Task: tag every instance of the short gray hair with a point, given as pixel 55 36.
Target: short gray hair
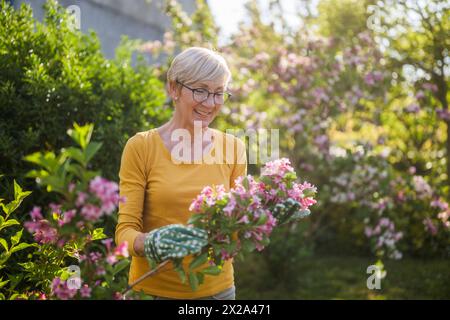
pixel 198 64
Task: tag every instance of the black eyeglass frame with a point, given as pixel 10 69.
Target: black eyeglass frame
pixel 226 95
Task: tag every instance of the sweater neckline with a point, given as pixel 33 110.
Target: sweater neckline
pixel 206 153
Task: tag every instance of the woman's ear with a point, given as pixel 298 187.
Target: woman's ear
pixel 172 90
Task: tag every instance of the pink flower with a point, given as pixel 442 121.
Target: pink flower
pixel 438 203
pixel 413 108
pixel 60 289
pixel 55 207
pixel 420 94
pixel 372 78
pixel 111 259
pixel 278 167
pixel 430 86
pixel 91 212
pixel 71 187
pixel 117 296
pixel 107 192
pixel 122 250
pixel 307 202
pixel 107 243
pixel 67 217
pixel 95 256
pixel 85 291
pixel 443 114
pixel 36 213
pixel 228 210
pixel 81 199
pixel 244 219
pixel 422 187
pixel 196 205
pixel 225 255
pixel 42 231
pixel 100 271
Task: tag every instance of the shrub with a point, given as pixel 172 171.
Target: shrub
pixel 53 76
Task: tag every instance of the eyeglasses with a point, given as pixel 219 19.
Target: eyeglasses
pixel 201 95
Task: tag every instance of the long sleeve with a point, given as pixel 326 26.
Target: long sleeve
pixel 132 186
pixel 240 164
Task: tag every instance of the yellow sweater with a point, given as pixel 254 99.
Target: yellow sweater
pixel 159 192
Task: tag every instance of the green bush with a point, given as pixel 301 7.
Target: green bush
pixel 9 275
pixel 53 76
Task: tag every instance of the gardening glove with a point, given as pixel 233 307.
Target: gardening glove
pixel 173 241
pixel 289 211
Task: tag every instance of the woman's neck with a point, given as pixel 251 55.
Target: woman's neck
pixel 175 124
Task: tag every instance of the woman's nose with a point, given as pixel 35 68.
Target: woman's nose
pixel 209 102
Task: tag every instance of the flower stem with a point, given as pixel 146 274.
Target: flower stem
pixel 145 276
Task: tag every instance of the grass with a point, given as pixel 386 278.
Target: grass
pixel 343 277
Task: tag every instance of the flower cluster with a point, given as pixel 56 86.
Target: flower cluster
pixel 243 218
pixel 103 199
pixel 69 230
pixel 95 265
pixel 385 237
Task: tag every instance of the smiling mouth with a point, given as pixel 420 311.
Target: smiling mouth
pixel 202 114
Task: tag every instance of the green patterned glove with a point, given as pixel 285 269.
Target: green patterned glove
pixel 289 211
pixel 173 241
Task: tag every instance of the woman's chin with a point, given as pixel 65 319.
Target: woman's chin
pixel 204 122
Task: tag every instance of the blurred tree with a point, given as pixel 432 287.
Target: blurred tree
pixel 342 19
pixel 416 38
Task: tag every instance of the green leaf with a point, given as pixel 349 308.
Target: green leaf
pixel 195 218
pixel 16 238
pixel 91 150
pixel 81 134
pixel 193 281
pixel 179 269
pixel 21 246
pixel 98 234
pixel 201 277
pixel 8 223
pixel 212 270
pixel 245 183
pixel 198 261
pixel 4 244
pixel 248 245
pixel 3 283
pixel 121 265
pixel 291 176
pixel 309 192
pixel 19 194
pixel 36 174
pixel 262 219
pixel 27 265
pixel 76 154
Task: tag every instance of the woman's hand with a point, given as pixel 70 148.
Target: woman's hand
pixel 173 241
pixel 139 244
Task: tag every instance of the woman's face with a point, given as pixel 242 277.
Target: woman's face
pixel 189 108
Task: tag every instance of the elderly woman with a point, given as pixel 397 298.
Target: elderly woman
pixel 159 186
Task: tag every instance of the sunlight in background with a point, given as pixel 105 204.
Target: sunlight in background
pixel 228 14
